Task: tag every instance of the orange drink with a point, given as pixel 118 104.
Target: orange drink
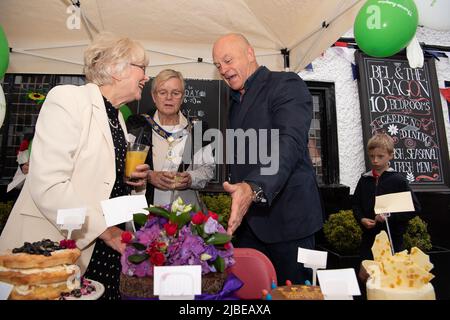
pixel 136 155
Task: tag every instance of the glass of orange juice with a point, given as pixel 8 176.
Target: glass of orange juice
pixel 136 155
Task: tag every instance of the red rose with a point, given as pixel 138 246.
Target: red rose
pixel 162 246
pixel 198 218
pixel 171 228
pixel 157 258
pixel 227 245
pixel 126 236
pixel 213 215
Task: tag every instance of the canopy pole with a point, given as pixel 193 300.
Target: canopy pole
pixel 285 53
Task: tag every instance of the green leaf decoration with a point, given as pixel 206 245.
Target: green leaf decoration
pixel 181 219
pixel 219 264
pixel 137 258
pixel 140 219
pixel 200 231
pixel 159 212
pixel 138 246
pixel 218 238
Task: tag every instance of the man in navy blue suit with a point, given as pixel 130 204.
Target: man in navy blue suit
pixel 274 212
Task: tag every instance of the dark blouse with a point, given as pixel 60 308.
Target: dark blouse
pixel 104 265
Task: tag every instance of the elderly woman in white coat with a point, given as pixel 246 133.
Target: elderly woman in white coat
pixel 78 159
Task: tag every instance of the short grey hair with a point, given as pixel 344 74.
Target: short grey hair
pixel 165 75
pixel 109 54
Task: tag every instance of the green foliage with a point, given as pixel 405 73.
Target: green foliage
pixel 5 209
pixel 220 204
pixel 342 232
pixel 417 235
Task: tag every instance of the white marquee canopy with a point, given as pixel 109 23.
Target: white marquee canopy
pixel 45 38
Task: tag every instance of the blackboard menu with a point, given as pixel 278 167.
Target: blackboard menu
pixel 204 100
pixel 404 102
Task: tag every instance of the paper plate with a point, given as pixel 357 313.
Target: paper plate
pixel 99 290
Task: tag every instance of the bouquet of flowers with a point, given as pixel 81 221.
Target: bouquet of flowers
pixel 175 235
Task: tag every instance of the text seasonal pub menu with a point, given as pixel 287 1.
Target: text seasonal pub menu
pixel 404 102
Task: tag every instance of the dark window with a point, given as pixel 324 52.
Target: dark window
pixel 22 113
pixel 323 146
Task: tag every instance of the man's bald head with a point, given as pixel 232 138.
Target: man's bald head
pixel 235 59
pixel 236 38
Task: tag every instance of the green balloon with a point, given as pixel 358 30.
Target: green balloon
pixel 383 28
pixel 4 53
pixel 126 111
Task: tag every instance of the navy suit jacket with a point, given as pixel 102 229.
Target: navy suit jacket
pixel 279 100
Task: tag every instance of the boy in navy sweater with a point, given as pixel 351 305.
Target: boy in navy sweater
pixel 379 181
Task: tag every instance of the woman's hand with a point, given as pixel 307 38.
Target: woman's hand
pixel 162 180
pixel 24 167
pixel 112 236
pixel 139 177
pixel 182 181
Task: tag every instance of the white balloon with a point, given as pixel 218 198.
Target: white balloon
pixel 434 14
pixel 2 106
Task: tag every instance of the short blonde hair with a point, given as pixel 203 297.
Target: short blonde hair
pixel 165 75
pixel 381 140
pixel 109 54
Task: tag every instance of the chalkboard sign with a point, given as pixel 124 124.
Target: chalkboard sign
pixel 405 103
pixel 204 100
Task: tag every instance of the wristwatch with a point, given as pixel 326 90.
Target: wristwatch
pixel 258 192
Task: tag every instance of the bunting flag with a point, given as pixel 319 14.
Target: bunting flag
pixel 344 44
pixel 348 55
pixel 341 44
pixel 445 93
pixel 309 67
pixel 436 54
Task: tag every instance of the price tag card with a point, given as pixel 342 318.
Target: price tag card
pixel 121 209
pixel 312 258
pixel 71 219
pixel 74 216
pixel 394 202
pixel 177 282
pixel 339 284
pixel 5 290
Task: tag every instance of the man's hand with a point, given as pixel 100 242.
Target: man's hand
pixel 380 218
pixel 241 199
pixel 368 223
